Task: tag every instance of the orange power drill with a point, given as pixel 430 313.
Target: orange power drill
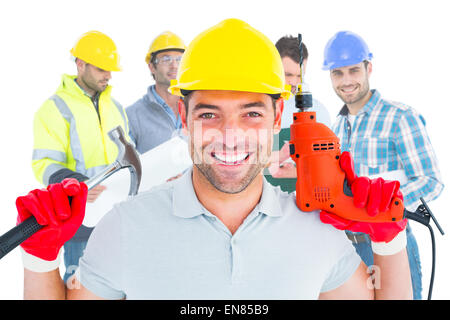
pixel 321 183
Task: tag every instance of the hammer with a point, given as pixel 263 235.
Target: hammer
pixel 127 158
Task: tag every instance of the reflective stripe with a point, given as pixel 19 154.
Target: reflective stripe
pixel 39 154
pixel 75 144
pixel 50 170
pixel 122 112
pixel 54 167
pixel 94 170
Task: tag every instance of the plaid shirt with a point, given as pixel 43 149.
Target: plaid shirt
pixel 388 136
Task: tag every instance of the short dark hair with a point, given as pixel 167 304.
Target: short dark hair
pixel 287 46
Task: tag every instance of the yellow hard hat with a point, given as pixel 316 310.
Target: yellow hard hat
pixel 97 49
pixel 165 41
pixel 231 56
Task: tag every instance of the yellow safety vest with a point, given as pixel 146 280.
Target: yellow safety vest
pixel 69 133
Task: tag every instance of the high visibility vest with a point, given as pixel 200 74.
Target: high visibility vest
pixel 69 133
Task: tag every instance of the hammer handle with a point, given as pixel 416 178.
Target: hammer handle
pixel 18 234
pixel 27 228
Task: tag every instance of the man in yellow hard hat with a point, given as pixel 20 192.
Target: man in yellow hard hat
pixel 154 118
pixel 221 231
pixel 71 127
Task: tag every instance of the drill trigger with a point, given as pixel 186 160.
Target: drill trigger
pixel 347 190
pixel 291 149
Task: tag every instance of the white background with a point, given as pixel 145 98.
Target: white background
pixel 409 40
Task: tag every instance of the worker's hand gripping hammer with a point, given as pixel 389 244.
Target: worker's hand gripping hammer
pixel 127 158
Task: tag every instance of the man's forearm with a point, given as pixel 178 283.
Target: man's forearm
pixel 391 277
pixel 65 173
pixel 427 187
pixel 43 285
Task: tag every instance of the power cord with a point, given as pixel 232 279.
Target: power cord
pixel 423 215
pixel 433 263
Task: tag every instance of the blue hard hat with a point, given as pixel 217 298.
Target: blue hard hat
pixel 345 48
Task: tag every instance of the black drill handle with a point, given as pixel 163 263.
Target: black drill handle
pixel 18 234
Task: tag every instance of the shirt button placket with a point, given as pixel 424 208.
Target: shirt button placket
pixel 235 270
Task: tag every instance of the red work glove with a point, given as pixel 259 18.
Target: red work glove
pixel 376 195
pixel 52 209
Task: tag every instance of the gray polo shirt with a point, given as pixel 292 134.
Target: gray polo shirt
pixel 163 244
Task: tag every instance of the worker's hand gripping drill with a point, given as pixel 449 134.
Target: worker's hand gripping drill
pixel 322 183
pixel 60 209
pixel 376 196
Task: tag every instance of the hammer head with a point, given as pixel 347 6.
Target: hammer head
pixel 127 158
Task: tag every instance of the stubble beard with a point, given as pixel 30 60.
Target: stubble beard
pixel 230 183
pixel 364 89
pixel 94 86
pixel 163 79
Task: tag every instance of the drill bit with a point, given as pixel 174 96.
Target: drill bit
pixel 300 48
pixel 303 100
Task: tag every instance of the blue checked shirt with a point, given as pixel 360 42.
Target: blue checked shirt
pixel 388 136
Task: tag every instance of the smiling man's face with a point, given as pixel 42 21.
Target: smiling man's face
pixel 231 135
pixel 351 83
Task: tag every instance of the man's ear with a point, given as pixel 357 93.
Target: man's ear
pixel 183 115
pixel 80 65
pixel 279 106
pixel 369 69
pixel 152 68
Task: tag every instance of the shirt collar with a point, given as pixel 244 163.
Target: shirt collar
pixel 184 200
pixel 150 96
pixel 156 97
pixel 68 83
pixel 368 107
pixel 269 204
pixel 186 204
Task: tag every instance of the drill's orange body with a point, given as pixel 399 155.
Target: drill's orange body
pixel 320 180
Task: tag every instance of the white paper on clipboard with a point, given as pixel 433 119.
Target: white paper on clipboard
pixel 158 164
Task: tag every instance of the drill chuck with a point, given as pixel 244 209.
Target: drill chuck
pixel 303 100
